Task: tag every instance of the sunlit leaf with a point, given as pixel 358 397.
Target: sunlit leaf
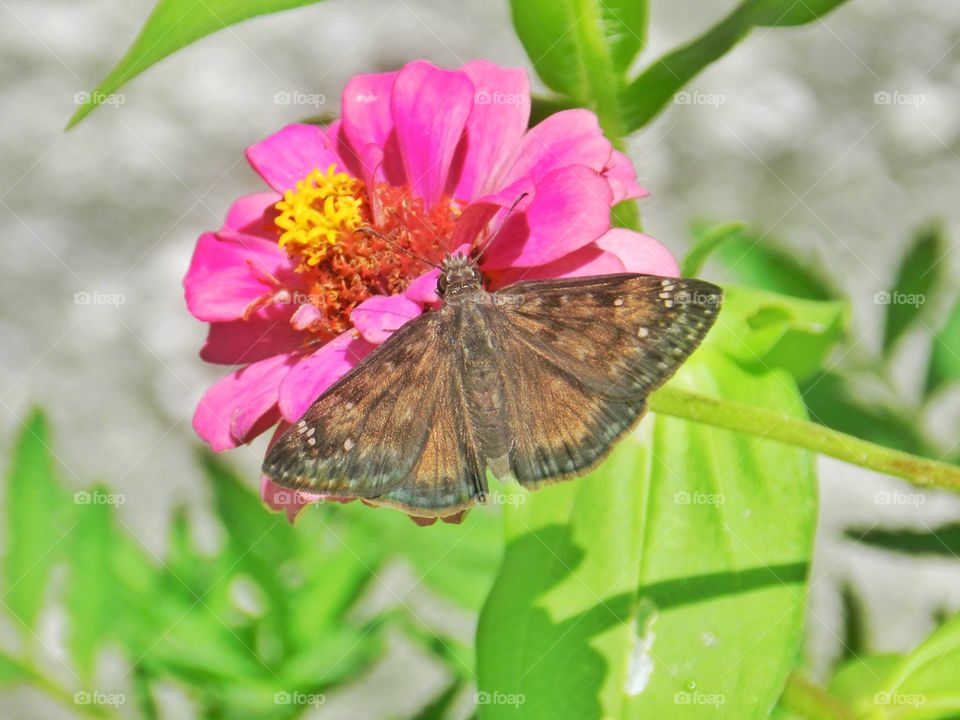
pixel 768 330
pixel 174 24
pixel 37 531
pixel 655 87
pixel 90 601
pixel 706 240
pixel 668 583
pixel 945 354
pixel 920 271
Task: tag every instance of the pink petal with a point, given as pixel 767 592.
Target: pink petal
pixel 254 215
pixel 368 125
pixel 304 316
pixel 277 497
pixel 501 111
pixel 423 290
pixel 266 333
pixel 312 375
pixel 430 107
pixel 622 178
pixel 232 408
pixel 291 154
pixel 570 209
pixel 229 271
pixel 640 253
pixel 589 260
pixel 377 317
pixel 569 137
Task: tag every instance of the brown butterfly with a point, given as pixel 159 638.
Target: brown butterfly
pixel 535 381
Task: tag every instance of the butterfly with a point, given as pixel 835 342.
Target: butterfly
pixel 535 382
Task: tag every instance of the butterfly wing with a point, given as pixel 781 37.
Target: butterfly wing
pixel 580 357
pixel 392 431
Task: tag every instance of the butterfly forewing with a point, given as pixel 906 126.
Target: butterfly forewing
pixel 581 356
pixel 387 429
pixel 537 380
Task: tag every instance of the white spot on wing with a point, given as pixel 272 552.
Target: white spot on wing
pixel 642 332
pixel 348 444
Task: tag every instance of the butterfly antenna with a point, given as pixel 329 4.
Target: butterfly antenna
pixel 495 233
pixel 395 245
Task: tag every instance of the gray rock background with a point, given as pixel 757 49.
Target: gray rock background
pixel 797 146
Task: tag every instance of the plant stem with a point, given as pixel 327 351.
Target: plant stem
pixel 802 433
pixel 802 697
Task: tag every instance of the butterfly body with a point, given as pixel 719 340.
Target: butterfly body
pixel 535 381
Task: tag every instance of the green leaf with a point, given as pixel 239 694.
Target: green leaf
pixel 655 87
pixel 753 260
pixel 11 670
pixel 707 240
pixel 36 532
pixel 945 354
pixel 943 540
pixel 767 330
pixel 89 600
pixel 660 583
pixel 854 624
pixel 860 404
pixel 172 25
pixel 921 685
pixel 920 271
pixel 582 48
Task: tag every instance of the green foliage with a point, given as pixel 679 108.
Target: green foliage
pixel 649 93
pixel 662 580
pixel 35 523
pixel 172 25
pixel 918 276
pixel 921 685
pixel 945 354
pixel 767 330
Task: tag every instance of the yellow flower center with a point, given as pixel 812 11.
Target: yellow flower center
pixel 313 216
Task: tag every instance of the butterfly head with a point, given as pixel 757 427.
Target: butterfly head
pixel 458 275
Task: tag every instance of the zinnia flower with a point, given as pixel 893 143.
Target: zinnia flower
pixel 430 158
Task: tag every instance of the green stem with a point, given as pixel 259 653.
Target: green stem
pixel 802 433
pixel 802 697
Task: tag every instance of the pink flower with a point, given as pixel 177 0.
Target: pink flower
pixel 430 158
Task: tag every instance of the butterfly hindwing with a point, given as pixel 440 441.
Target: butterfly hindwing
pixel 580 357
pixel 387 431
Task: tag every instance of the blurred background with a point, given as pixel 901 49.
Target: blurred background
pixel 838 139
